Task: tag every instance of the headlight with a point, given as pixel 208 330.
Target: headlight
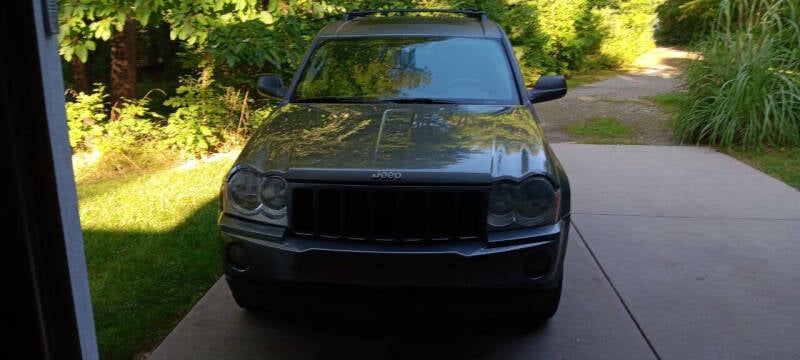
pixel 243 189
pixel 273 195
pixel 257 197
pixel 534 202
pixel 502 200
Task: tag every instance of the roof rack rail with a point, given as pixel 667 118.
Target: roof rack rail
pixel 473 13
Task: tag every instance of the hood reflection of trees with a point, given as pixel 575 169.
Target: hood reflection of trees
pixel 346 135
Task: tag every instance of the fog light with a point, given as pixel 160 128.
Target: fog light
pixel 237 257
pixel 536 265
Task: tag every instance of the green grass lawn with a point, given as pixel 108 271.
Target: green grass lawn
pixel 605 130
pixel 781 163
pixel 152 251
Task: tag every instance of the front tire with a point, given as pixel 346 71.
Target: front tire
pixel 247 296
pixel 542 307
pixel 245 301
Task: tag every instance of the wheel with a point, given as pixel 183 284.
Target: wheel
pixel 245 299
pixel 247 296
pixel 265 297
pixel 543 306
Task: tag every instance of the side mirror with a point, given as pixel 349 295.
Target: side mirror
pixel 271 85
pixel 548 88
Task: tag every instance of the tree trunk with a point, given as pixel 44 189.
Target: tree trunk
pixel 169 54
pixel 123 62
pixel 79 75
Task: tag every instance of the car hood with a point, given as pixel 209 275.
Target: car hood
pixel 426 143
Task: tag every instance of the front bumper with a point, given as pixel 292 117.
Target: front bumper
pixel 272 256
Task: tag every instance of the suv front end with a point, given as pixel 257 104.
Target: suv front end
pixel 348 202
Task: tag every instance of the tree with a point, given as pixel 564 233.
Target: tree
pixel 84 21
pixel 79 75
pixel 685 21
pixel 75 39
pixel 123 62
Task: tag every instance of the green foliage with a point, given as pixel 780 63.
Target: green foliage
pixel 208 116
pixel 131 123
pixel 198 121
pixel 557 22
pixel 243 49
pixel 131 126
pixel 82 22
pixel 682 22
pixel 193 21
pixel 128 140
pixel 628 29
pixel 745 90
pixel 85 116
pixel 562 36
pixel 521 24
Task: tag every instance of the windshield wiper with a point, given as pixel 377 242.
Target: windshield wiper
pixel 418 101
pixel 367 100
pixel 334 99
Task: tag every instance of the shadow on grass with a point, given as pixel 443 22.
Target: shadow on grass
pixel 143 283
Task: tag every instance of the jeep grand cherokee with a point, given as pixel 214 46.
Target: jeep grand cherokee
pixel 403 162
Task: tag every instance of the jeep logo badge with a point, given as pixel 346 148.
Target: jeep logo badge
pixel 387 175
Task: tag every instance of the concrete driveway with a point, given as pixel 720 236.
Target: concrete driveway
pixel 676 253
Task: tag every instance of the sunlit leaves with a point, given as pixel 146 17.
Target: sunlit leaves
pixel 83 21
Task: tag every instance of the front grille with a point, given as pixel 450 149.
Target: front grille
pixel 387 213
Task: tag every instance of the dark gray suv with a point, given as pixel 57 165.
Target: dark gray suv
pixel 404 164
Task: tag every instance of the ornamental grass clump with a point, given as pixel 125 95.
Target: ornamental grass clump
pixel 745 90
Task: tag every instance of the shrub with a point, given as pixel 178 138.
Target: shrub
pixel 130 138
pixel 557 22
pixel 746 88
pixel 628 31
pixel 562 36
pixel 682 22
pixel 521 25
pixel 127 140
pixel 132 124
pixel 197 125
pixel 208 117
pixel 85 116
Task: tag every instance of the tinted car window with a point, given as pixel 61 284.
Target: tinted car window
pixel 463 70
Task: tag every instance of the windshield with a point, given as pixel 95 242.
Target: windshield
pixel 424 70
